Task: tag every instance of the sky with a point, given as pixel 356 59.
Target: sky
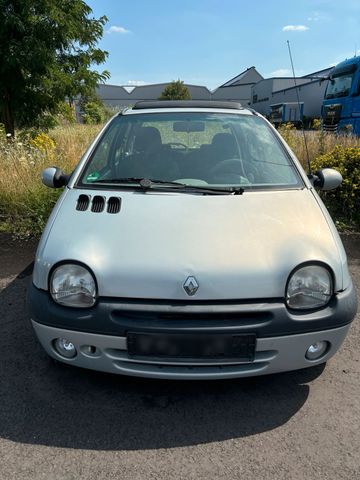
pixel 208 42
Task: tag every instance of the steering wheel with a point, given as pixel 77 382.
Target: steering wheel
pixel 230 165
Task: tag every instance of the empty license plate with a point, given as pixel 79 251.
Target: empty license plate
pixel 192 345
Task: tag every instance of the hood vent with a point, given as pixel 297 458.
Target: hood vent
pixel 98 204
pixel 83 203
pixel 113 205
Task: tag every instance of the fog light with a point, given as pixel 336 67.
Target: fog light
pixel 65 348
pixel 316 350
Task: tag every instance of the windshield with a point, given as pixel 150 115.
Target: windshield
pixel 339 86
pixel 193 149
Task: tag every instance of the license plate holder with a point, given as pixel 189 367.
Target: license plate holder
pixel 192 345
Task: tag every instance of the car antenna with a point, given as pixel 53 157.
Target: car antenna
pixel 300 116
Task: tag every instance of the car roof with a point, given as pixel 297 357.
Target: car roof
pixel 187 105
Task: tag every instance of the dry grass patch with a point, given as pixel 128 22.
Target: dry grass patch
pixel 318 143
pixel 25 203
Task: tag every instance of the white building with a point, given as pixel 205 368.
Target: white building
pixel 311 89
pixel 239 87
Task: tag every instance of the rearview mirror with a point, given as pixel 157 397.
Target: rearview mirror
pixel 54 177
pixel 327 179
pixel 188 126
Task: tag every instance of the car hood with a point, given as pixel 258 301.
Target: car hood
pixel 236 246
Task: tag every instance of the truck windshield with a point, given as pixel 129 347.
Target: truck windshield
pixel 339 86
pixel 198 149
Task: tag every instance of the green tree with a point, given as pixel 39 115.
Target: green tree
pixel 92 113
pixel 176 90
pixel 46 50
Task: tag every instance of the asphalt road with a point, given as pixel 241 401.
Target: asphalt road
pixel 59 422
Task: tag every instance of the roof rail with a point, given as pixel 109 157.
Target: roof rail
pixel 143 104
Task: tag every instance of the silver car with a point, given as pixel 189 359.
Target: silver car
pixel 190 244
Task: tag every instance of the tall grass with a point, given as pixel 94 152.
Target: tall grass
pixel 25 203
pixel 318 142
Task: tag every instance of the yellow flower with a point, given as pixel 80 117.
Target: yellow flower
pixel 43 143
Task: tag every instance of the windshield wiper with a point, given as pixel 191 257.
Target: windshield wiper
pixel 151 184
pixel 140 180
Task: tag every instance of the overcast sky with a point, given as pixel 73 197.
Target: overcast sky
pixel 207 42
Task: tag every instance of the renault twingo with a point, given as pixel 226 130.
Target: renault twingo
pixel 190 244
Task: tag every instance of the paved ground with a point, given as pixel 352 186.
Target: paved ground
pixel 65 423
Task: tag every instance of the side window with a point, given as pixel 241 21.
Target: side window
pixel 101 157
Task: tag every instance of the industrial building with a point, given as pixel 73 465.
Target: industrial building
pixel 278 90
pixel 238 88
pixel 123 96
pixel 249 88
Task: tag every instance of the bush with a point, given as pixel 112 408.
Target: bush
pixel 344 202
pixel 66 114
pixel 316 124
pixel 92 113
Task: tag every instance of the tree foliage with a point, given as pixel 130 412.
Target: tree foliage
pixel 176 90
pixel 46 50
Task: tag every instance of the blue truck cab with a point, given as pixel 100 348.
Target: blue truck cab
pixel 341 105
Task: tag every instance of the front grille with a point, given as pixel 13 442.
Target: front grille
pixel 331 117
pixel 201 317
pixel 186 319
pixel 331 128
pixel 187 368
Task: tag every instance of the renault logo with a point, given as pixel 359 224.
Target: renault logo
pixel 191 286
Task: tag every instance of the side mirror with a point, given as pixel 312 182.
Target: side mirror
pixel 327 179
pixel 54 177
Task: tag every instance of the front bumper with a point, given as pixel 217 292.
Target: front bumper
pixel 109 354
pixel 262 317
pixel 282 336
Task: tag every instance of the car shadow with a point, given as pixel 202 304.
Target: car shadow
pixel 57 405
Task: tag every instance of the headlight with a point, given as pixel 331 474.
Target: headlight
pixel 73 285
pixel 309 287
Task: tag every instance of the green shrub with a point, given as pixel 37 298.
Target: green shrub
pixel 66 114
pixel 344 202
pixel 26 214
pixel 92 113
